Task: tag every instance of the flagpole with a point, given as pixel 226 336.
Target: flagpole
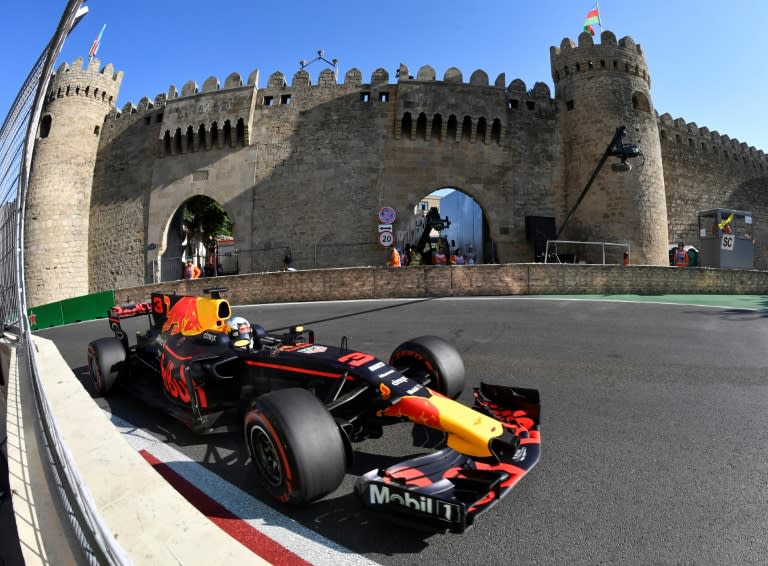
pixel 599 17
pixel 96 44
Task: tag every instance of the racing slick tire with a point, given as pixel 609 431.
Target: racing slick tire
pixel 433 355
pixel 295 445
pixel 106 357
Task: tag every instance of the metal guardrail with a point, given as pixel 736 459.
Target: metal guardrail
pixel 554 256
pixel 17 138
pixel 260 260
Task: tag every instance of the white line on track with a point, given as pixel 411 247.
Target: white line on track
pixel 300 540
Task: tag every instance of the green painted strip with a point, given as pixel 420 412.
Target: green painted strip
pixel 749 302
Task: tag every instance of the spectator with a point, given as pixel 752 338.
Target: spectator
pixel 191 271
pixel 405 257
pixel 458 258
pixel 681 256
pixel 439 257
pixel 394 258
pixel 471 255
pixel 414 257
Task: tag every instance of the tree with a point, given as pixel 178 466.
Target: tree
pixel 204 221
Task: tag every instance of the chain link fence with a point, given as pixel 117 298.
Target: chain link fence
pixel 13 150
pixel 261 260
pixel 17 138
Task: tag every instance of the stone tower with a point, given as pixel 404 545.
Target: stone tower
pixel 598 88
pixel 59 199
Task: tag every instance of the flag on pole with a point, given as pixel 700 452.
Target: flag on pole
pixel 726 221
pixel 593 17
pixel 96 44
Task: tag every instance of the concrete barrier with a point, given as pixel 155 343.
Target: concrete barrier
pixel 149 520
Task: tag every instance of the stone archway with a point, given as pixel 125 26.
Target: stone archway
pixel 183 238
pixel 465 224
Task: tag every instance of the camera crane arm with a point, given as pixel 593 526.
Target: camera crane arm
pixel 616 148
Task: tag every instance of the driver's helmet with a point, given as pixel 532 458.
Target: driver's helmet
pixel 239 330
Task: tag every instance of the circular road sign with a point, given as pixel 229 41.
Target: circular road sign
pixel 386 239
pixel 387 215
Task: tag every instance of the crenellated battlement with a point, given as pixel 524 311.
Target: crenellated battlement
pixel 78 79
pixel 700 140
pixel 131 111
pixel 623 56
pixel 352 79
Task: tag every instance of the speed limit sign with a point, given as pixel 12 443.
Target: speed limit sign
pixel 386 239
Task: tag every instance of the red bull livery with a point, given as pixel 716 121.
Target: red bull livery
pixel 303 405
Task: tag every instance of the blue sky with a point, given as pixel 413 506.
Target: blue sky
pixel 707 60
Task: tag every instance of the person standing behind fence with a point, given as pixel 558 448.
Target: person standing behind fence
pixel 191 271
pixel 458 258
pixel 394 258
pixel 471 255
pixel 681 256
pixel 414 257
pixel 439 257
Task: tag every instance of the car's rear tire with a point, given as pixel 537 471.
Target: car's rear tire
pixel 106 358
pixel 435 356
pixel 295 445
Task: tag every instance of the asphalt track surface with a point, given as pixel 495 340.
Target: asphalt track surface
pixel 654 420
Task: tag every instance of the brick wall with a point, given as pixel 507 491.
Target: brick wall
pixel 477 280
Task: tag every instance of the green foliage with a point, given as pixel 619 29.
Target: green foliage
pixel 205 220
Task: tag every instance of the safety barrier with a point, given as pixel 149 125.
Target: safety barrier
pixel 77 309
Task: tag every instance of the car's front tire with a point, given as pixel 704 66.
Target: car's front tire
pixel 295 445
pixel 106 357
pixel 435 357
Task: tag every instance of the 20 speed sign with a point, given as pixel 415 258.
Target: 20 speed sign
pixel 386 239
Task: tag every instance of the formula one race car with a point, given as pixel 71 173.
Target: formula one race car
pixel 303 404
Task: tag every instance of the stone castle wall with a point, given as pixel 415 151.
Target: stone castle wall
pixel 704 170
pixel 306 166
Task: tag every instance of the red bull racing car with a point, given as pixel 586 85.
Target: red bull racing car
pixel 303 405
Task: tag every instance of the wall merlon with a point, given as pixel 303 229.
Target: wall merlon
pixel 277 80
pixel 211 84
pixel 234 80
pixel 353 78
pixel 189 88
pixel 541 90
pixel 479 78
pixel 517 87
pixel 426 73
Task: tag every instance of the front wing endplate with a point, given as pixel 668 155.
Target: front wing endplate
pixel 446 490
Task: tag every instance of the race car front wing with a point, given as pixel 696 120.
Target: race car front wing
pixel 446 490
